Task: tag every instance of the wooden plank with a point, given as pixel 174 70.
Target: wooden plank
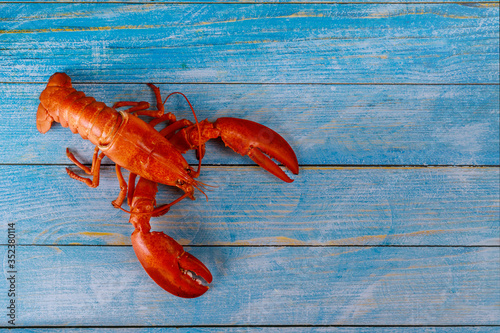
pixel 166 2
pixel 325 124
pixel 294 43
pixel 105 286
pixel 323 206
pixel 270 329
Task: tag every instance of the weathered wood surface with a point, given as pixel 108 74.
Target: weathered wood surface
pixel 270 329
pixel 393 109
pixel 78 286
pixel 324 206
pixel 239 2
pixel 288 43
pixel 326 124
pixel 267 329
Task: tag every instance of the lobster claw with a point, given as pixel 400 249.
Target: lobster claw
pixel 255 140
pixel 175 270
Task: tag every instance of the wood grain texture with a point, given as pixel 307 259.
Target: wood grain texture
pixel 325 124
pixel 351 43
pixel 79 286
pixel 324 206
pixel 266 329
pixel 169 2
pixel 368 238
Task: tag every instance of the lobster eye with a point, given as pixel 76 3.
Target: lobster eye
pixel 179 182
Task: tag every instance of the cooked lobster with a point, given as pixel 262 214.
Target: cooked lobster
pixel 156 156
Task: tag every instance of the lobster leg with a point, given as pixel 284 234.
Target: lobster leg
pixel 134 106
pixel 117 203
pixel 141 108
pixel 94 170
pixel 165 260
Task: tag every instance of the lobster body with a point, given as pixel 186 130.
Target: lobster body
pixel 124 138
pixel 145 152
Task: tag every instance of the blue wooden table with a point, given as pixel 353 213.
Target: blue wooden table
pixel 392 107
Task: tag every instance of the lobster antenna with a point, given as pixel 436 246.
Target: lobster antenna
pixel 199 131
pixel 198 184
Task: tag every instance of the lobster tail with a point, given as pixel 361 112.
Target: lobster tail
pixel 60 102
pixel 43 119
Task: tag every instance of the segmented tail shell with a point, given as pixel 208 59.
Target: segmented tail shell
pixel 62 103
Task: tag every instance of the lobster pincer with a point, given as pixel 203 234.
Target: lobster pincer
pixel 244 137
pixel 165 261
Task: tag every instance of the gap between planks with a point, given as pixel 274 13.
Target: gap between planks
pixel 249 326
pixel 268 83
pixel 249 2
pixel 301 166
pixel 269 246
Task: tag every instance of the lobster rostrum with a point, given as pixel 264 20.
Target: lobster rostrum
pixel 156 156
